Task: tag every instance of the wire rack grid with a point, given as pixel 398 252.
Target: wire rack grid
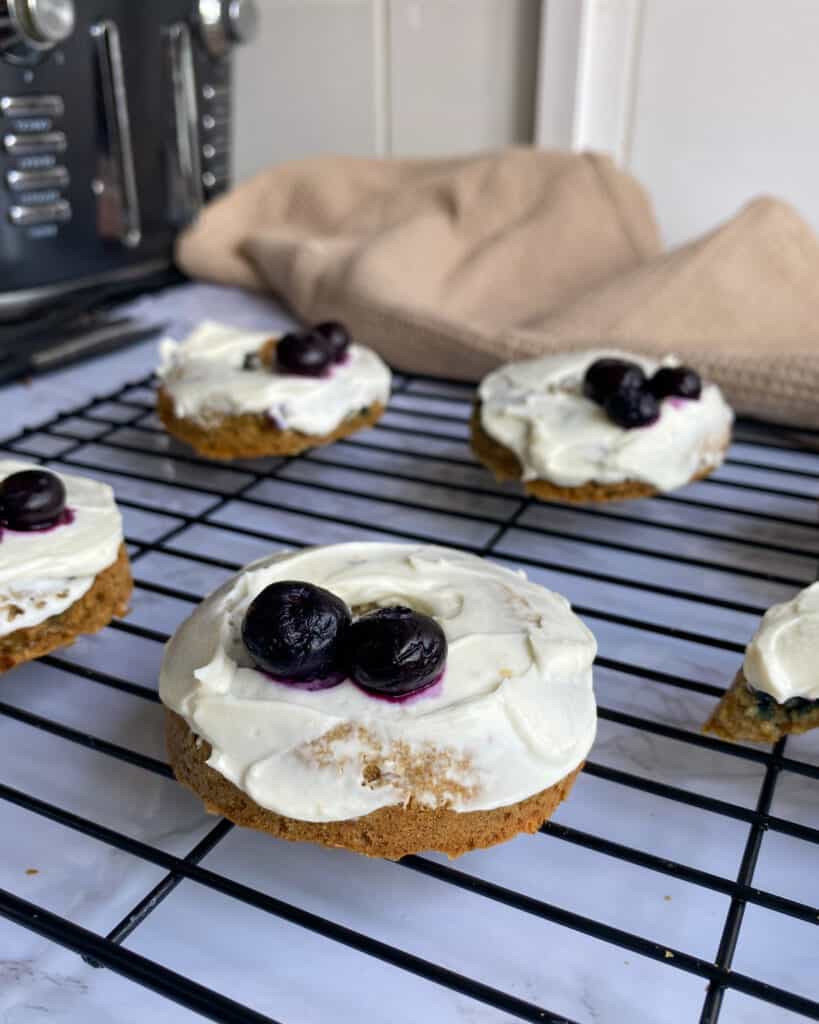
pixel 680 861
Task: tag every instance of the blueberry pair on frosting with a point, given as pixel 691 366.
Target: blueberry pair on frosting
pixel 631 399
pixel 307 353
pixel 313 351
pixel 304 635
pixel 486 754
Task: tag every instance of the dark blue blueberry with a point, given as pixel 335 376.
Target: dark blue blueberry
pixel 295 631
pixel 308 354
pixel 337 335
pixel 395 651
pixel 33 499
pixel 252 361
pixel 631 409
pixel 675 381
pixel 765 703
pixel 606 377
pixel 800 705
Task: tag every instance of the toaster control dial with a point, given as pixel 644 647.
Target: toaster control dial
pixel 28 27
pixel 222 23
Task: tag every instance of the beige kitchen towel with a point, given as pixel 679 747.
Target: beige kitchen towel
pixel 451 267
pixel 741 304
pixel 430 262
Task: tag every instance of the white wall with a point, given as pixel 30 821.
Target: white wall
pixel 708 102
pixel 404 77
pixel 726 107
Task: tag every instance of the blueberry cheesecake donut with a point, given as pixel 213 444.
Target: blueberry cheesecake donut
pixel 236 394
pixel 776 691
pixel 383 698
pixel 599 426
pixel 64 569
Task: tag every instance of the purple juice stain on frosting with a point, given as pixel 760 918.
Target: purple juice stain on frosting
pixel 307 685
pixel 434 688
pixel 66 518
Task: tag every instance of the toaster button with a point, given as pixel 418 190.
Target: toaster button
pixel 32 106
pixel 42 142
pixel 212 92
pixel 42 213
pixel 25 181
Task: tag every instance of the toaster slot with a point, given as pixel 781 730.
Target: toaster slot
pixel 118 214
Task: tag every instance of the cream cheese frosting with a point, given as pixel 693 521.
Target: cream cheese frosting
pixel 43 572
pixel 513 714
pixel 783 657
pixel 204 377
pixel 536 408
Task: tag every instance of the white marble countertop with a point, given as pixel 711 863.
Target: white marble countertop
pixel 298 977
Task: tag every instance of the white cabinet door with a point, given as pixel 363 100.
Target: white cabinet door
pixel 306 84
pixel 462 74
pixel 403 77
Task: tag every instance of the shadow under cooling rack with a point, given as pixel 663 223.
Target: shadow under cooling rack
pixel 680 862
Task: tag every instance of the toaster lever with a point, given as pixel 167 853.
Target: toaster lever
pixel 185 167
pixel 118 213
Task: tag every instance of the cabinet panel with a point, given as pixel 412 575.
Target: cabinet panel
pixel 462 74
pixel 306 84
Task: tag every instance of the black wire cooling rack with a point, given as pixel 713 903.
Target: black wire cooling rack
pixel 672 587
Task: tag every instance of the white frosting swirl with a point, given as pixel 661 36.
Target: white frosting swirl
pixel 514 713
pixel 204 377
pixel 537 409
pixel 783 657
pixel 43 572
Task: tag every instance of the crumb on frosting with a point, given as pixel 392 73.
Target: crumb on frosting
pixel 12 611
pixel 426 774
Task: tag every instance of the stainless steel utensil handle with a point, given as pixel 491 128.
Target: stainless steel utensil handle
pixel 115 185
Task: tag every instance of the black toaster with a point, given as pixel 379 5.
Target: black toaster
pixel 115 128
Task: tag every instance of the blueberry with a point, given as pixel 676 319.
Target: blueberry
pixel 252 361
pixel 678 381
pixel 337 335
pixel 607 377
pixel 765 703
pixel 305 354
pixel 31 500
pixel 632 409
pixel 800 705
pixel 295 631
pixel 395 651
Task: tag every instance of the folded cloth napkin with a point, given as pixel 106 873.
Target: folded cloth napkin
pixel 451 267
